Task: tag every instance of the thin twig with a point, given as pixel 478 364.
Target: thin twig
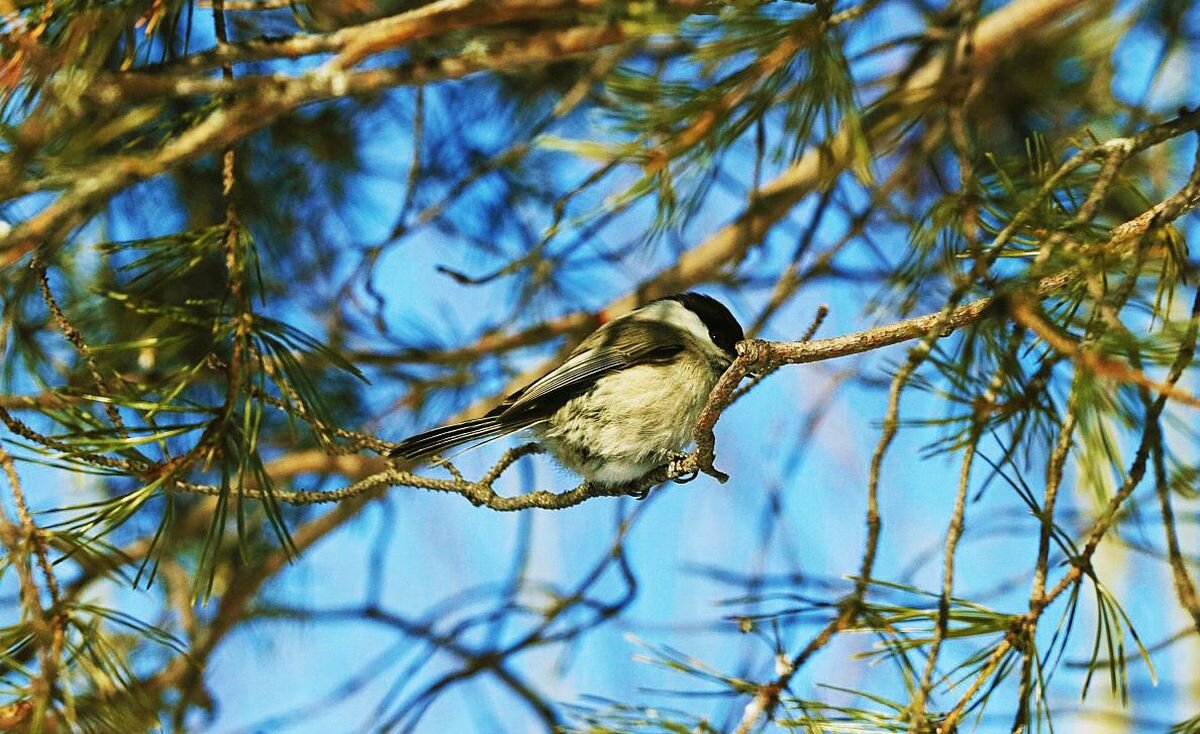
pixel 72 335
pixel 955 529
pixel 48 626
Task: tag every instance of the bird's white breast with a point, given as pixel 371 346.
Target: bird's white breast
pixel 632 421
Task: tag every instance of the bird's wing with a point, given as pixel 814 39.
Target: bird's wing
pixel 620 345
pixel 439 439
pixel 623 343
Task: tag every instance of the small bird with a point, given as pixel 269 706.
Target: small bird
pixel 624 402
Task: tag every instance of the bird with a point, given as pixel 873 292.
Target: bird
pixel 624 401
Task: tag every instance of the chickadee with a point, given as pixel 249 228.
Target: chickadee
pixel 624 402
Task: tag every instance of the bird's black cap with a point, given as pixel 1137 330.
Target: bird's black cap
pixel 723 328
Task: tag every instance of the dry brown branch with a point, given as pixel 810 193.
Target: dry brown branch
pixel 538 48
pixel 88 188
pixel 1185 587
pixel 353 43
pixel 36 402
pixel 1026 314
pixel 72 335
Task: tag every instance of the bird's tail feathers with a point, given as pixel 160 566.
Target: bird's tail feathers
pixel 439 439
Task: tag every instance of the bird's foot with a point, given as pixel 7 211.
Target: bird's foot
pixel 639 494
pixel 677 469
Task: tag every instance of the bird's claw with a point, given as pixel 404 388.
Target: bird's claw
pixel 676 469
pixel 639 494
